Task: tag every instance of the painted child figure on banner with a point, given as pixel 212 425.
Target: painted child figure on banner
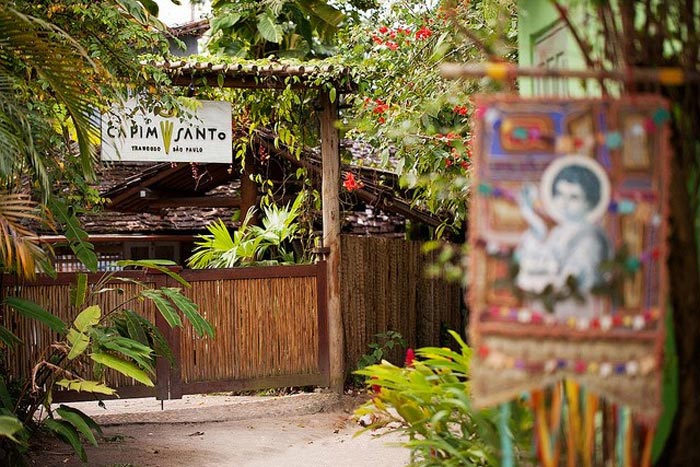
pixel 575 193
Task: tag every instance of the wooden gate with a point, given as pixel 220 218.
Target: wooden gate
pixel 271 330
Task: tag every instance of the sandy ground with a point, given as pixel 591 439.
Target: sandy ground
pixel 250 431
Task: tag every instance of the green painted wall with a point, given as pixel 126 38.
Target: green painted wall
pixel 537 18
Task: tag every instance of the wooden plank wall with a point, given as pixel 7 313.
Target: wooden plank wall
pixel 384 287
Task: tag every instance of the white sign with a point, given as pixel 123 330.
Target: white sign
pixel 203 137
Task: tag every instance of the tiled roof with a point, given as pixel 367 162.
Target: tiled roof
pixel 120 179
pixel 192 28
pixel 181 198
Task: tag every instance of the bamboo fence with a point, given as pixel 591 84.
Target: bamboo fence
pixel 264 327
pixel 271 323
pixel 384 288
pixel 37 339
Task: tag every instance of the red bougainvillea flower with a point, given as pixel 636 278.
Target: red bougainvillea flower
pixel 461 110
pixel 377 40
pixel 423 33
pixel 383 30
pixel 391 45
pixel 410 357
pixel 375 387
pixel 380 106
pixel 350 183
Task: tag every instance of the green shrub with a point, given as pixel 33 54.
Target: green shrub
pixel 117 338
pixel 384 344
pixel 429 398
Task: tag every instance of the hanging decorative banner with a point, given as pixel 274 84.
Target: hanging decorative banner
pixel 129 135
pixel 567 231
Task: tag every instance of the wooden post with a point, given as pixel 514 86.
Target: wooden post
pixel 330 187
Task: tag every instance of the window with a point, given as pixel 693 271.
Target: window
pixel 550 51
pixel 152 250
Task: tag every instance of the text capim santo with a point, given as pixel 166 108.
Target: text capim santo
pixel 205 137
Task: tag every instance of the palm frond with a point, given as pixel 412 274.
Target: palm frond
pixel 16 136
pixel 19 250
pixel 54 57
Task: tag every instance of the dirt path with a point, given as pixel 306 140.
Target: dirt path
pixel 290 431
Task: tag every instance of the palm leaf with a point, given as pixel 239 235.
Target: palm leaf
pixel 76 236
pixel 160 265
pixel 134 328
pixel 86 386
pixel 158 341
pixel 124 367
pixel 79 421
pixel 9 425
pixel 79 342
pixel 8 338
pixel 19 250
pixel 34 311
pixel 54 57
pixel 67 433
pixel 189 309
pixel 164 306
pixel 78 292
pixel 140 353
pixel 16 135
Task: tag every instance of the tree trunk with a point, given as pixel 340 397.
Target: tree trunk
pixel 683 445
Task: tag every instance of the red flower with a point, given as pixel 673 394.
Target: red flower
pixel 383 30
pixel 423 33
pixel 375 387
pixel 410 357
pixel 381 107
pixel 377 40
pixel 649 125
pixel 350 183
pixel 483 352
pixel 391 45
pixel 461 110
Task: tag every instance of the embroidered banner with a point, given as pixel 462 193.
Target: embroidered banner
pixel 567 233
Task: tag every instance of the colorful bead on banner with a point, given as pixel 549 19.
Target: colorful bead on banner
pixel 613 140
pixel 660 116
